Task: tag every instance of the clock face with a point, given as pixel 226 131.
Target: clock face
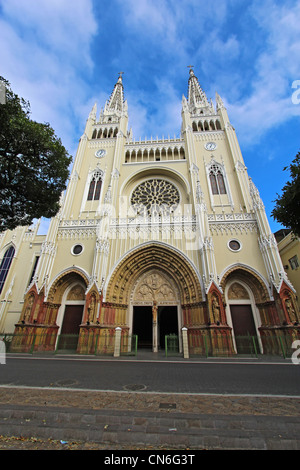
pixel 211 146
pixel 100 153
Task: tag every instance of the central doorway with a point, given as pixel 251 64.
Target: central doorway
pixel 142 326
pixel 167 322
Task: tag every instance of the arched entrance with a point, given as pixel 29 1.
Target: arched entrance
pixel 68 290
pixel 158 285
pixel 244 291
pixel 154 309
pixel 242 317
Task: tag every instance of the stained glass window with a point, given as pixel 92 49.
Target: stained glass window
pixel 155 197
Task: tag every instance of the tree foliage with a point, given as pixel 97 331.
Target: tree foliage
pixel 287 206
pixel 34 165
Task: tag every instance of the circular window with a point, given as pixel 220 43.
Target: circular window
pixel 234 245
pixel 156 197
pixel 77 249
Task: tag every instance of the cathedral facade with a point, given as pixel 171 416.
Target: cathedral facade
pixel 152 237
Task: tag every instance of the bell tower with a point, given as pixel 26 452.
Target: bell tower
pixel 98 157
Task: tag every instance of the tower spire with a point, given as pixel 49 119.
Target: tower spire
pixel 197 99
pixel 115 103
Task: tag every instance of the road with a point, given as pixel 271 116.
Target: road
pixel 207 377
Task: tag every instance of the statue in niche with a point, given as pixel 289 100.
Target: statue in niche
pixel 28 309
pixel 215 310
pixel 154 312
pixel 290 310
pixel 92 310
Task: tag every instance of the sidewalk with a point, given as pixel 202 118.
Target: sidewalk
pixel 132 420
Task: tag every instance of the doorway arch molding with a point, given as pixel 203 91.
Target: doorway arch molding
pixel 63 280
pixel 154 256
pixel 251 278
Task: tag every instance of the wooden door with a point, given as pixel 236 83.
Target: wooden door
pixel 72 319
pixel 69 334
pixel 244 329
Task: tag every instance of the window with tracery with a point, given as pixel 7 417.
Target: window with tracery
pixel 5 265
pixel 95 187
pixel 216 178
pixel 155 197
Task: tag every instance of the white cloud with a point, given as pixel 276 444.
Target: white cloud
pixel 270 102
pixel 45 47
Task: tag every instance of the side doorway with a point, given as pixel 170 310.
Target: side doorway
pixel 69 334
pixel 244 329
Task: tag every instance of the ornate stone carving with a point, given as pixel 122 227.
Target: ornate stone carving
pixel 76 293
pixel 156 197
pixel 154 287
pixel 237 291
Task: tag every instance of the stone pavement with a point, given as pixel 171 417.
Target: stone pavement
pixel 143 420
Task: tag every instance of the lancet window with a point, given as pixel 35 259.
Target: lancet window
pixel 5 265
pixel 216 178
pixel 95 186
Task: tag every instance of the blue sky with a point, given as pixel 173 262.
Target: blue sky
pixel 65 55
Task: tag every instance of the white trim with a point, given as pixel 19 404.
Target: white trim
pixel 212 196
pixel 86 189
pixel 65 271
pixel 234 240
pixel 142 175
pixel 77 254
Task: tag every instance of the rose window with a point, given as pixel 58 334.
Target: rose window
pixel 155 197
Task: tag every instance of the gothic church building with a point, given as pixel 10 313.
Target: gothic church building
pixel 152 237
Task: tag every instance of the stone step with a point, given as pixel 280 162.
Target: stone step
pixel 141 428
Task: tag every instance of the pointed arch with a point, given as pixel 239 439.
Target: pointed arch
pixel 249 276
pixel 153 256
pixel 64 280
pixel 216 178
pixel 95 185
pixel 6 264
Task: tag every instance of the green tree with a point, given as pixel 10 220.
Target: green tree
pixel 34 165
pixel 287 206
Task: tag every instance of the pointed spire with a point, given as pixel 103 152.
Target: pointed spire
pixel 219 101
pixel 116 100
pixel 93 113
pixel 196 96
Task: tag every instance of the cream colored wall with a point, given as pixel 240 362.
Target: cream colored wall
pixel 249 254
pixel 287 249
pixel 28 246
pixel 89 164
pixel 64 258
pixel 223 156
